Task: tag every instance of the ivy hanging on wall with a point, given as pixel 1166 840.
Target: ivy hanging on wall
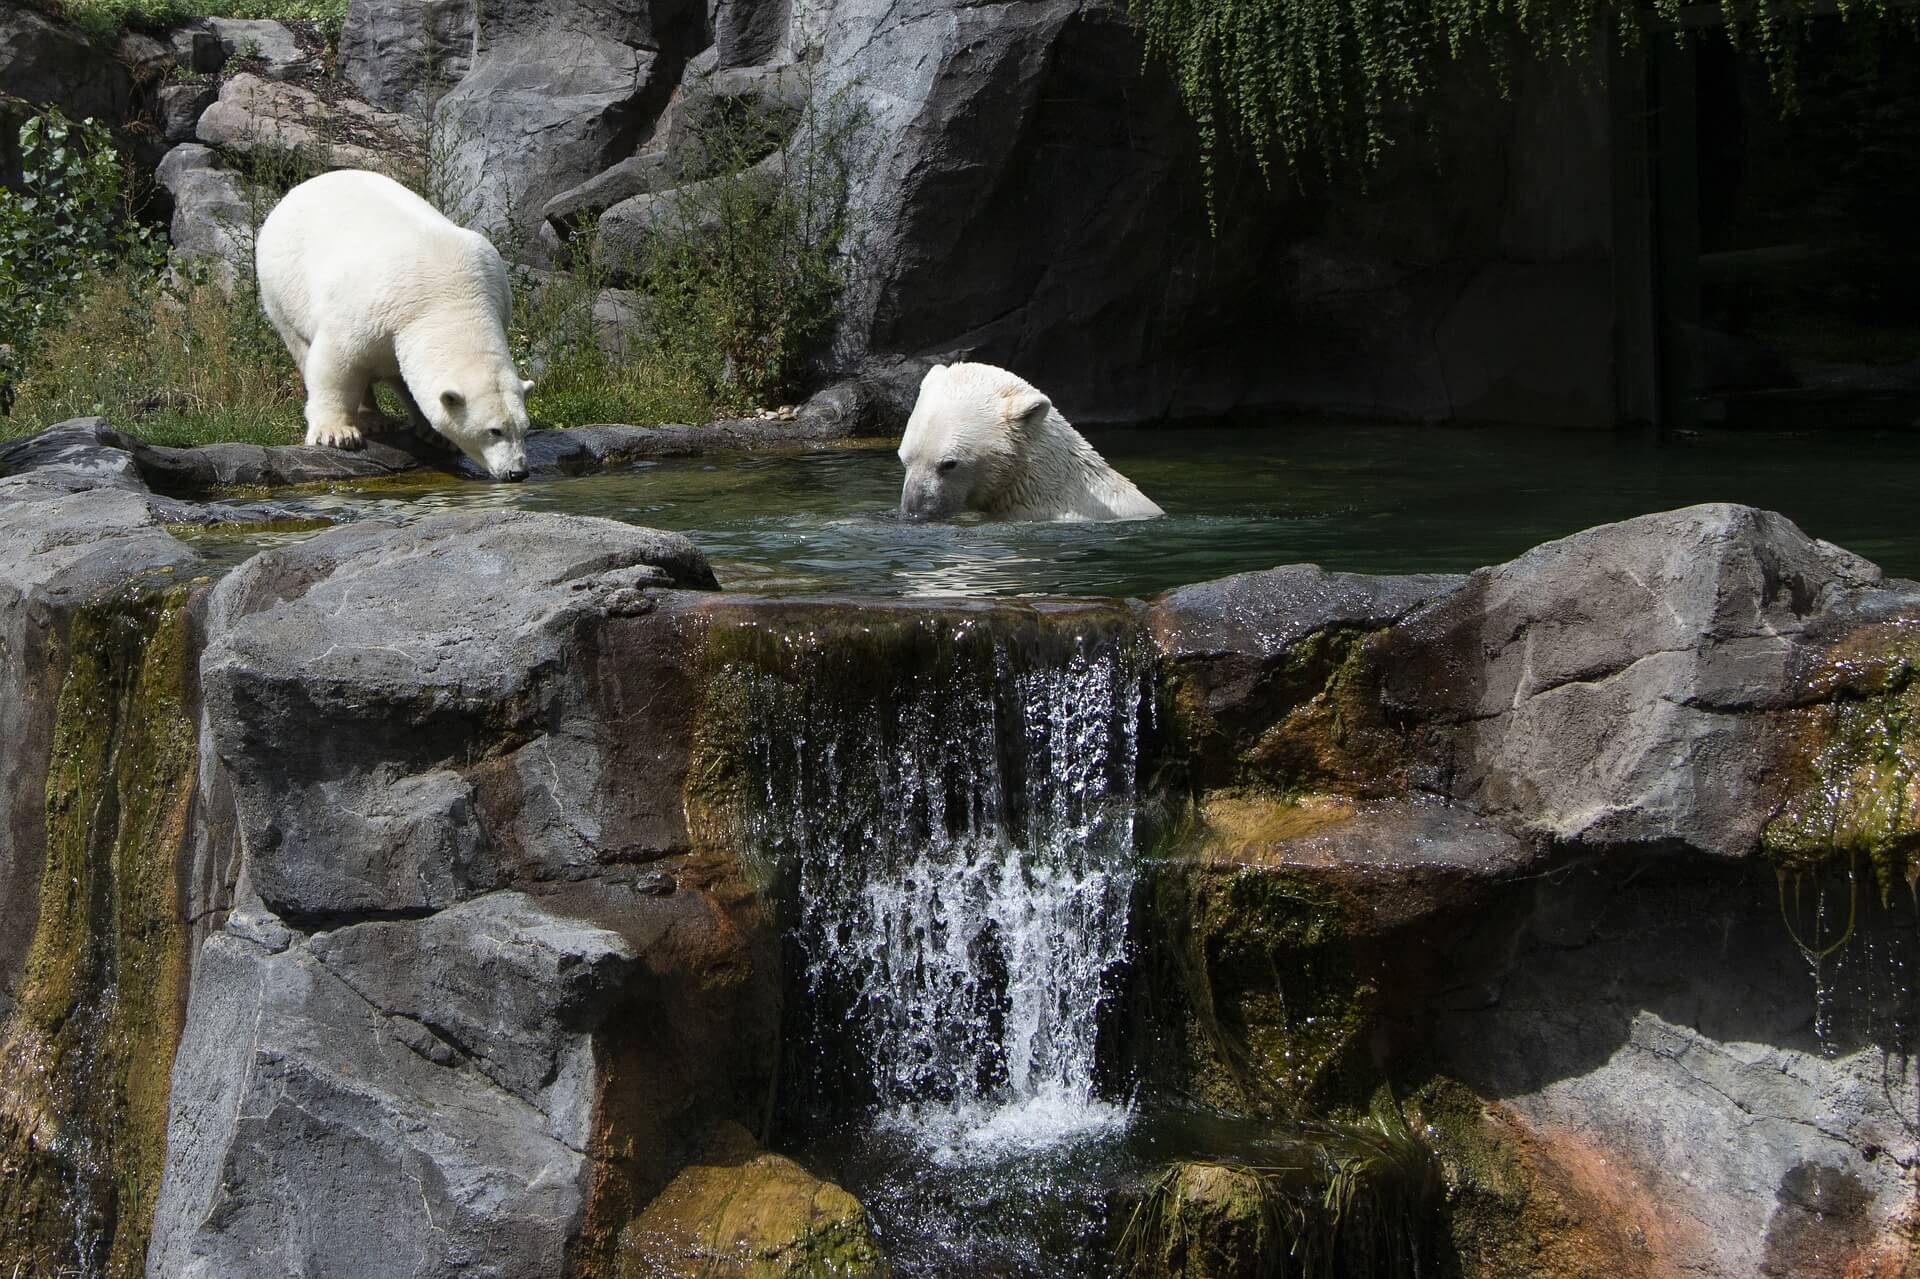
pixel 1321 81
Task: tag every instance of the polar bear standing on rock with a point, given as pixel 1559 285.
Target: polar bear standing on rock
pixel 983 439
pixel 367 283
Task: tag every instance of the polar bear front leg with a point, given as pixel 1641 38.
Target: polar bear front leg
pixel 335 387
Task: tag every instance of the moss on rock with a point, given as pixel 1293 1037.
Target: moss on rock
pixel 741 1211
pixel 1309 721
pixel 1520 1209
pixel 86 1054
pixel 1258 984
pixel 1853 761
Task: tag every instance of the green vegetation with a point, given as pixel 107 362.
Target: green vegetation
pixel 741 282
pixel 1333 80
pixel 170 358
pixel 581 376
pixel 1336 1200
pixel 1265 1004
pixel 57 233
pixel 747 268
pixel 105 17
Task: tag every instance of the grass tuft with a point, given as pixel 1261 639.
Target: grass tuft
pixel 1341 1202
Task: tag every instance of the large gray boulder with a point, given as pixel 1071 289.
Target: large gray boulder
pixel 556 94
pixel 309 1136
pixel 266 119
pixel 208 45
pixel 401 55
pixel 1621 687
pixel 457 903
pixel 177 109
pixel 215 210
pixel 400 698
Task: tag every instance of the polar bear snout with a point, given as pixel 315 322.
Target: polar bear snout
pixel 505 458
pixel 925 496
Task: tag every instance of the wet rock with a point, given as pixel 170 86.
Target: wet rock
pixel 97 606
pixel 1662 1098
pixel 1218 1224
pixel 1259 663
pixel 739 1210
pixel 876 402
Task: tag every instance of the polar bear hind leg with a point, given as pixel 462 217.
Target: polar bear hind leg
pixel 335 389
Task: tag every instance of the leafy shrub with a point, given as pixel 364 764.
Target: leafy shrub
pixel 60 230
pixel 580 374
pixel 105 17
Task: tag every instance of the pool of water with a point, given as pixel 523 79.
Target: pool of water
pixel 1374 499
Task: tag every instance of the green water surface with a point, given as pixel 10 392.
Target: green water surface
pixel 1372 499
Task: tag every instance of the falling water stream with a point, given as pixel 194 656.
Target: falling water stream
pixel 953 827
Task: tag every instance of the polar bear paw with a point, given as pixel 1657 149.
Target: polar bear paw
pixel 341 435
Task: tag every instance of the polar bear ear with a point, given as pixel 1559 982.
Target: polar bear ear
pixel 1024 406
pixel 526 388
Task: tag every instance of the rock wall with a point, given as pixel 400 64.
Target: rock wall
pixel 1027 190
pixel 1030 195
pixel 422 845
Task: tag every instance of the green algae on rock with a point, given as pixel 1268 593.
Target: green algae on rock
pixel 1259 988
pixel 89 1045
pixel 741 1211
pixel 1852 761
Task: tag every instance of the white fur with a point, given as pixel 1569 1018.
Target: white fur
pixel 366 283
pixel 1006 451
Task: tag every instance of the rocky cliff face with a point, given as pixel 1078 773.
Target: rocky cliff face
pixel 417 854
pixel 1027 189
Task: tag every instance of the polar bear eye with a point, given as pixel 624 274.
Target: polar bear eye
pixel 497 433
pixel 948 465
pixel 452 399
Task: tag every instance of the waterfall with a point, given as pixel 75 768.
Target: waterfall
pixel 951 816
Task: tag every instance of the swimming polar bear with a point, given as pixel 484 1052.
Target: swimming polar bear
pixel 366 282
pixel 982 439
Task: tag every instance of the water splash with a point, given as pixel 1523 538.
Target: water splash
pixel 954 824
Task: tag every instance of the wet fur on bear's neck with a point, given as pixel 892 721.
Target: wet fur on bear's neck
pixel 1058 475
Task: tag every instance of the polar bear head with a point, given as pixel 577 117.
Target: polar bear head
pixel 483 410
pixel 965 443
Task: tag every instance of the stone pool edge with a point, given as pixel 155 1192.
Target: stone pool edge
pixel 1373 761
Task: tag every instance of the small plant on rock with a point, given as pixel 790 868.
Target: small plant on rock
pixel 747 267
